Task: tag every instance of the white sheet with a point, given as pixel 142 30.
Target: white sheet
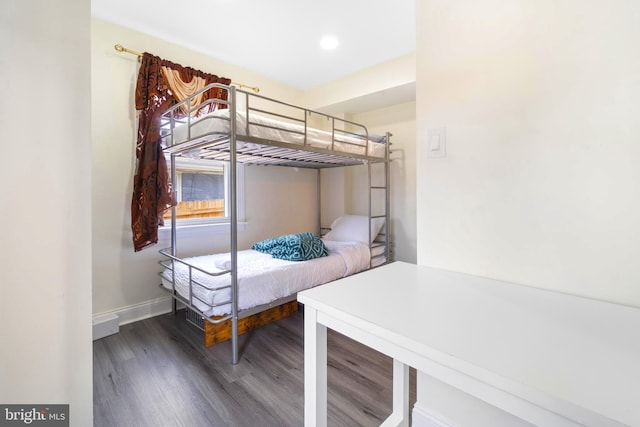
pixel 262 278
pixel 216 123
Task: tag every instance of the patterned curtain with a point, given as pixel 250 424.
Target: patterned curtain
pixel 152 190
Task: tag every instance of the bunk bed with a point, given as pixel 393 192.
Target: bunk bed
pixel 228 294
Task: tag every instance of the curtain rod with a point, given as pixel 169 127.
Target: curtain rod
pixel 121 48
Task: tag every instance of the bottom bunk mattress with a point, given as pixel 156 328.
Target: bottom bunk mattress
pixel 261 278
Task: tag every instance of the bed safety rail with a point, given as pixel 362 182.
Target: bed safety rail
pixel 169 265
pixel 267 122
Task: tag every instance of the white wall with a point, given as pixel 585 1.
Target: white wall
pixel 334 195
pixel 540 102
pixel 45 321
pixel 122 279
pixel 386 79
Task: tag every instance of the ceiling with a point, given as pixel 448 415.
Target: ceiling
pixel 279 39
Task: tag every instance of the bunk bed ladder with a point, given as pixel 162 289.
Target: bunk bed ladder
pixel 387 202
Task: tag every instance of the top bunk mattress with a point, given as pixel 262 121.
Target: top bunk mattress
pixel 266 127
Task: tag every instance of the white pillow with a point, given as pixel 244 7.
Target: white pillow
pixel 349 228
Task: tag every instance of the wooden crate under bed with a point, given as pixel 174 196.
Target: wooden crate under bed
pixel 219 332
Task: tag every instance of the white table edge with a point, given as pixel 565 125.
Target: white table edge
pixel 522 401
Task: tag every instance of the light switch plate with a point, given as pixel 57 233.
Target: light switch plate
pixel 436 143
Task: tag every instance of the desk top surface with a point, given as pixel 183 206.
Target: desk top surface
pixel 572 349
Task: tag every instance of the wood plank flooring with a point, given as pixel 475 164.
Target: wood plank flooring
pixel 157 372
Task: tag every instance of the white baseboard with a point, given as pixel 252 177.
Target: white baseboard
pixel 108 323
pixel 145 310
pixel 105 325
pixel 422 417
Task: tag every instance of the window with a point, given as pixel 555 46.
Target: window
pixel 201 188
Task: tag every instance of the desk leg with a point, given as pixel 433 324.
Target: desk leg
pixel 401 391
pixel 315 370
pixel 400 415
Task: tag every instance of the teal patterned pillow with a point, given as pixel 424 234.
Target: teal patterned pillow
pixel 293 247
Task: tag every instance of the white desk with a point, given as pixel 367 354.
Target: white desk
pixel 548 358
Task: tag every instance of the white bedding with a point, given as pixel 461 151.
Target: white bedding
pixel 217 122
pixel 262 278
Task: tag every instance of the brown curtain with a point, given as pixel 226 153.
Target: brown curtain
pixel 152 190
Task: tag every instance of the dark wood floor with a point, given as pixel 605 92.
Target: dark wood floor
pixel 158 373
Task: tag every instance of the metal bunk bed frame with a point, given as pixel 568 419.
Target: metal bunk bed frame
pixel 224 148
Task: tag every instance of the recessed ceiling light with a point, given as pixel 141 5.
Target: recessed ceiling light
pixel 329 42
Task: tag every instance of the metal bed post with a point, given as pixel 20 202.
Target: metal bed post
pixel 370 213
pixel 234 226
pixel 174 249
pixel 319 190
